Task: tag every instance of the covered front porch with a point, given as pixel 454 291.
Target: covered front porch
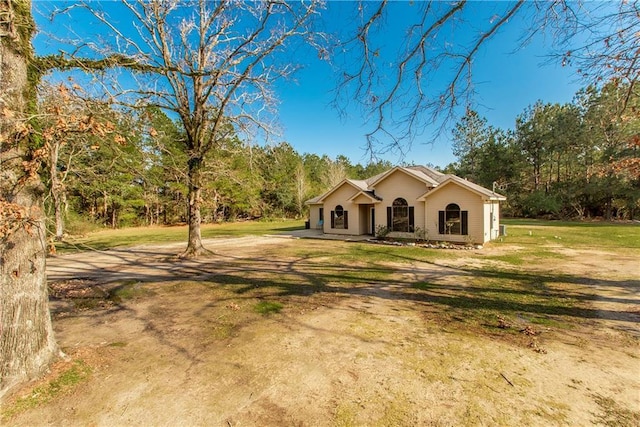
pixel 366 202
pixel 367 219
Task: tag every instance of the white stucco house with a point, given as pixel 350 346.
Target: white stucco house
pixel 409 201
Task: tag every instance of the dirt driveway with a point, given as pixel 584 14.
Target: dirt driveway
pixel 184 345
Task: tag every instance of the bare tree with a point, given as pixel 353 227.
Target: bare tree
pixel 301 187
pixel 334 173
pixel 211 63
pixel 601 42
pixel 405 90
pixel 27 343
pixel 401 92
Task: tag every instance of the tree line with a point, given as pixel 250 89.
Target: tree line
pixel 118 167
pixel 576 160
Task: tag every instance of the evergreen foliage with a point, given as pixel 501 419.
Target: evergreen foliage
pixel 561 161
pixel 135 172
pixel 576 160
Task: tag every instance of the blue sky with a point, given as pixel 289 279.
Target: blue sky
pixel 507 80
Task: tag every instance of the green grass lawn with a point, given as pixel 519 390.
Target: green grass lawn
pixel 535 235
pixel 531 284
pixel 574 234
pixel 105 239
pixel 517 286
pixel 539 240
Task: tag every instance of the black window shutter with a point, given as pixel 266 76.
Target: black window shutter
pixel 411 218
pixel 333 219
pixel 441 222
pixel 346 220
pixel 389 219
pixel 465 227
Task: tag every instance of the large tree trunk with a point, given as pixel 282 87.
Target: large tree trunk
pixel 194 242
pixel 27 344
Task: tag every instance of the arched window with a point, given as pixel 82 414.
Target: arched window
pixel 400 216
pixel 453 220
pixel 339 218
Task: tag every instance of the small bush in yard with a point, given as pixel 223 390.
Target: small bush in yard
pixel 267 307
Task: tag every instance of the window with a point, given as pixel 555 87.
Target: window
pixel 452 220
pixel 400 216
pixel 339 218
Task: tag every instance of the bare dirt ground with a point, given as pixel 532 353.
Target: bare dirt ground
pixel 184 345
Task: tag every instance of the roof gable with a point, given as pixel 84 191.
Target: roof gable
pixel 468 185
pixel 356 184
pixel 365 197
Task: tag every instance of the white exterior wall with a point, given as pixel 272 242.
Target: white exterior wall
pixel 496 219
pixel 399 184
pixel 468 201
pixel 340 197
pixel 492 222
pixel 487 221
